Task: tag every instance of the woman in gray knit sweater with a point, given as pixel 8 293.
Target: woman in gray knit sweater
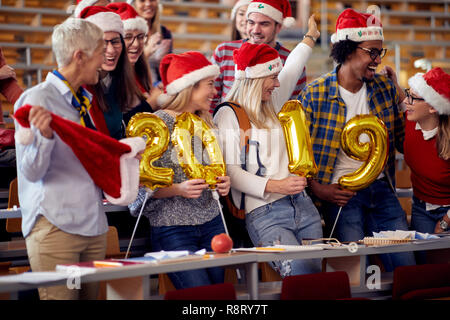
pixel 185 216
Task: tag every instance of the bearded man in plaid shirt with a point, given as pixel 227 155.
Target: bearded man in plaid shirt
pixel 330 101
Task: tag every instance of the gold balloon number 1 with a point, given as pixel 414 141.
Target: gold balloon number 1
pixel 298 141
pixel 373 153
pixel 157 135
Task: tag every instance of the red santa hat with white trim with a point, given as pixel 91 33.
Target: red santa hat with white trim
pixel 111 164
pixel 278 10
pixel 105 18
pixel 256 61
pixel 434 87
pixel 81 4
pixel 130 18
pixel 179 71
pixel 358 27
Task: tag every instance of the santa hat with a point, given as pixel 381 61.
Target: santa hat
pixel 237 5
pixel 434 87
pixel 81 4
pixel 256 61
pixel 130 18
pixel 359 27
pixel 179 71
pixel 278 10
pixel 111 164
pixel 105 18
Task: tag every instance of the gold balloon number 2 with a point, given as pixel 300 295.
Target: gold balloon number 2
pixel 373 153
pixel 157 136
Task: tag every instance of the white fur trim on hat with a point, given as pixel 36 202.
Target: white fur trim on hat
pixel 191 78
pixel 260 70
pixel 137 23
pixel 107 21
pixel 437 101
pixel 358 34
pixel 162 99
pixel 267 10
pixel 237 5
pixel 129 172
pixel 24 136
pixel 82 5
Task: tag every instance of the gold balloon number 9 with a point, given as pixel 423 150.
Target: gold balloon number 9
pixel 298 141
pixel 186 126
pixel 373 153
pixel 157 135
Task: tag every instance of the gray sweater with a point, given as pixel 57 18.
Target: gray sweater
pixel 176 210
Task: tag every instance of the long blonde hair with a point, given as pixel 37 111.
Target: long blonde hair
pixel 248 93
pixel 443 137
pixel 179 102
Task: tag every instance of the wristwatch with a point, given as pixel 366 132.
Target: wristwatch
pixel 443 224
pixel 309 36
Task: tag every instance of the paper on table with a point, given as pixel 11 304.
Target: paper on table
pixel 34 277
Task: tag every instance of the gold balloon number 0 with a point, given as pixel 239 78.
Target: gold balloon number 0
pixel 298 141
pixel 157 136
pixel 186 126
pixel 373 153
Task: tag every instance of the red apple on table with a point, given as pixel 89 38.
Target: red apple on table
pixel 221 243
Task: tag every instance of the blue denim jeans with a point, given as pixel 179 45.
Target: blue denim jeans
pixel 423 220
pixel 287 221
pixel 191 238
pixel 373 209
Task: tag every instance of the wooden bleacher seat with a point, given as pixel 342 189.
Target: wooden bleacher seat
pixel 13 225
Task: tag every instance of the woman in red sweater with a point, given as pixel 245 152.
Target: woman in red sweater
pixel 427 149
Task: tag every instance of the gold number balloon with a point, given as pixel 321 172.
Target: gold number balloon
pixel 298 141
pixel 157 135
pixel 186 126
pixel 374 153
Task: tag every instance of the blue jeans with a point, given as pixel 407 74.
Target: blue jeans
pixel 373 209
pixel 191 238
pixel 423 220
pixel 287 221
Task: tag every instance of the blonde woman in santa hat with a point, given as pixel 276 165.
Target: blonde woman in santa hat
pixel 136 30
pixel 61 226
pixel 278 210
pixel 185 216
pixel 159 41
pixel 239 20
pixel 116 93
pixel 427 149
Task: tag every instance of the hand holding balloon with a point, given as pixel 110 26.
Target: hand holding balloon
pixel 223 186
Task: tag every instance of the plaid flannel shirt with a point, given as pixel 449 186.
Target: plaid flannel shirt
pixel 326 111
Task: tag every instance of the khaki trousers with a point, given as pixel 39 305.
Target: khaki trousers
pixel 48 246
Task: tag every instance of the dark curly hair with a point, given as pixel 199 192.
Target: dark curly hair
pixel 342 49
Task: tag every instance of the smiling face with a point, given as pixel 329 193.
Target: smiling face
pixel 92 65
pixel 270 83
pixel 241 21
pixel 202 95
pixel 134 42
pixel 362 66
pixel 418 110
pixel 262 29
pixel 113 50
pixel 146 8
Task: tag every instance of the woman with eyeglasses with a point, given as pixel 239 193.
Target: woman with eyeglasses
pixel 116 93
pixel 427 149
pixel 136 30
pixel 159 41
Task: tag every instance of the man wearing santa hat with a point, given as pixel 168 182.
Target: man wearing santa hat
pixel 354 88
pixel 265 19
pixel 63 163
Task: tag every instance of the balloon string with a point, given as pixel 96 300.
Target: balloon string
pixel 135 226
pixel 215 195
pixel 335 221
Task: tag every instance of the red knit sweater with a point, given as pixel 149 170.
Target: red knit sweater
pixel 430 175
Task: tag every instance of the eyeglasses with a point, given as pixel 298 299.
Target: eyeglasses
pixel 130 39
pixel 411 98
pixel 116 43
pixel 374 53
